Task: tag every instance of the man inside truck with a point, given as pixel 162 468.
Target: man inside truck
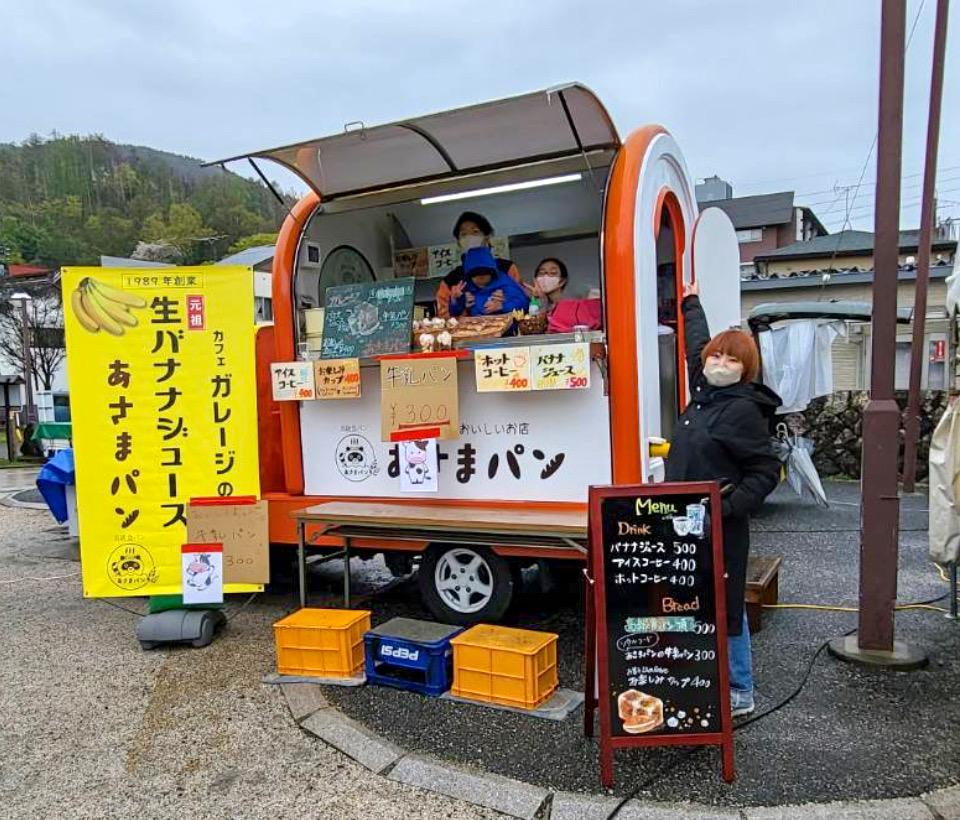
pixel 471 230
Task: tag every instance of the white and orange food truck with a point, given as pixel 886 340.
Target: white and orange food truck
pixel 552 175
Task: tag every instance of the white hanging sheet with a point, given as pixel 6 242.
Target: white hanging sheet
pixel 798 361
pixel 944 486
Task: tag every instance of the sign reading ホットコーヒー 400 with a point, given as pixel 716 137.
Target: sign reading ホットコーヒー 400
pixel 163 400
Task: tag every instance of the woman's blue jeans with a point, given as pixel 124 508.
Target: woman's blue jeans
pixel 740 659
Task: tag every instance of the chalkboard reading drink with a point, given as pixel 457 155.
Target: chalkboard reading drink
pixel 367 319
pixel 658 619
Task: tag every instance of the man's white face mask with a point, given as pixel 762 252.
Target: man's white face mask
pixel 471 240
pixel 722 375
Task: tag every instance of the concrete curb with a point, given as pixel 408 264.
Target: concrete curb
pixel 314 714
pixel 8 500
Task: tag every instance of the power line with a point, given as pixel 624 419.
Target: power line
pixel 872 184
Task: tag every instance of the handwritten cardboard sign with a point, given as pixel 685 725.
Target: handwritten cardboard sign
pixel 242 529
pixel 337 378
pixel 418 398
pixel 293 381
pixel 561 367
pixel 502 370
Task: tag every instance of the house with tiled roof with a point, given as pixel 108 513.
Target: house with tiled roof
pixel 840 267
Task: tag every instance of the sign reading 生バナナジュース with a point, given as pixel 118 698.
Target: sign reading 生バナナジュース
pixel 163 399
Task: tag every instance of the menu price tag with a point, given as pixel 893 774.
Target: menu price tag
pixel 241 527
pixel 656 620
pixel 337 378
pixel 293 381
pixel 502 370
pixel 418 398
pixel 561 367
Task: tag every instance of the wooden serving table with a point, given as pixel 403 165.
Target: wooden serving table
pixel 531 529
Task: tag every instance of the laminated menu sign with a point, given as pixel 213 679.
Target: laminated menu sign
pixel 561 367
pixel 657 620
pixel 337 378
pixel 502 369
pixel 293 381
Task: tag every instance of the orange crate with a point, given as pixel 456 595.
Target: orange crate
pixel 510 667
pixel 324 643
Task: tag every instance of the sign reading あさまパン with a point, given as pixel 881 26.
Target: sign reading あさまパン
pixel 163 398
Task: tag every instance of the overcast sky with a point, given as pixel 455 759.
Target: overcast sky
pixel 771 96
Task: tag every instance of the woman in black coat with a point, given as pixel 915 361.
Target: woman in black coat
pixel 724 435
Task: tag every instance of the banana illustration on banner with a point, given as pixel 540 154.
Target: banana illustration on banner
pixel 99 306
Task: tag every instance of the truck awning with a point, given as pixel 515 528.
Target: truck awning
pixel 556 123
pixel 770 312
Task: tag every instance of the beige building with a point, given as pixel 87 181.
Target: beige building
pixel 838 267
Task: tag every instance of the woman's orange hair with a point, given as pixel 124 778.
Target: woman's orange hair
pixel 739 344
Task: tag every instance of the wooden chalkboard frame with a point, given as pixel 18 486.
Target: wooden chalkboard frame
pixel 595 643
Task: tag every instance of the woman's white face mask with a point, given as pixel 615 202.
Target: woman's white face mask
pixel 548 282
pixel 722 375
pixel 471 240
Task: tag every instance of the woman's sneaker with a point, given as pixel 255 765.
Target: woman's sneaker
pixel 741 702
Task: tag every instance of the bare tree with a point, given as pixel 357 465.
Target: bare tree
pixel 45 325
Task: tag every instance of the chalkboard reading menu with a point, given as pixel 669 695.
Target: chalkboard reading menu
pixel 656 624
pixel 367 319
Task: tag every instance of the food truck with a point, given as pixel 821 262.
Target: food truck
pixel 555 179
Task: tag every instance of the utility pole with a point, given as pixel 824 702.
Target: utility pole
pixel 928 215
pixel 874 644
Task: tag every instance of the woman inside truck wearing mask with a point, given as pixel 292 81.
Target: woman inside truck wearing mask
pixel 549 282
pixel 724 435
pixel 471 230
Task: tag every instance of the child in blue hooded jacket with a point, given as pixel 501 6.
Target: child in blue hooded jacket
pixel 485 290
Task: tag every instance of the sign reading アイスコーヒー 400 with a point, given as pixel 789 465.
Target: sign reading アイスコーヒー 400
pixel 163 399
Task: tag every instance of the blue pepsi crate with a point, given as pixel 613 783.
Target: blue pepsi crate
pixel 410 654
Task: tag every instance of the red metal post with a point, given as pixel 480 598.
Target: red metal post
pixel 879 533
pixel 911 423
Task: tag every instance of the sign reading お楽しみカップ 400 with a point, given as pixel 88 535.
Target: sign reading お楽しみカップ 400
pixel 163 399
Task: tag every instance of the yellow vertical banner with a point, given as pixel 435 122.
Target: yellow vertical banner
pixel 163 401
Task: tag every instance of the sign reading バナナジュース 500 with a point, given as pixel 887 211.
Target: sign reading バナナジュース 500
pixel 163 400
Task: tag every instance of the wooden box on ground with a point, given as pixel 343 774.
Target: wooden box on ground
pixel 763 575
pixel 324 643
pixel 509 667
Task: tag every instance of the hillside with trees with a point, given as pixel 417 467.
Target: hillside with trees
pixel 67 200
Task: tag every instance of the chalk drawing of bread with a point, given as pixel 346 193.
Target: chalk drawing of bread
pixel 639 711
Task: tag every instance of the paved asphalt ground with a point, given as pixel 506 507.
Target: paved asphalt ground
pixel 851 733
pixel 93 726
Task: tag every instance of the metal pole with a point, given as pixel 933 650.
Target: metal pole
pixel 953 590
pixel 11 452
pixel 911 423
pixel 302 562
pixel 27 362
pixel 879 519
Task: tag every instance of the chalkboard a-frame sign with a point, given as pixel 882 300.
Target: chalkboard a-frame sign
pixel 656 627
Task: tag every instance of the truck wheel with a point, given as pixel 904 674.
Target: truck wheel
pixel 465 585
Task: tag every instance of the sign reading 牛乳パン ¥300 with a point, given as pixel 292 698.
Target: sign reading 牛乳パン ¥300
pixel 163 400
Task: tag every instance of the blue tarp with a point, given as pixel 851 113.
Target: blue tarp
pixel 53 477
